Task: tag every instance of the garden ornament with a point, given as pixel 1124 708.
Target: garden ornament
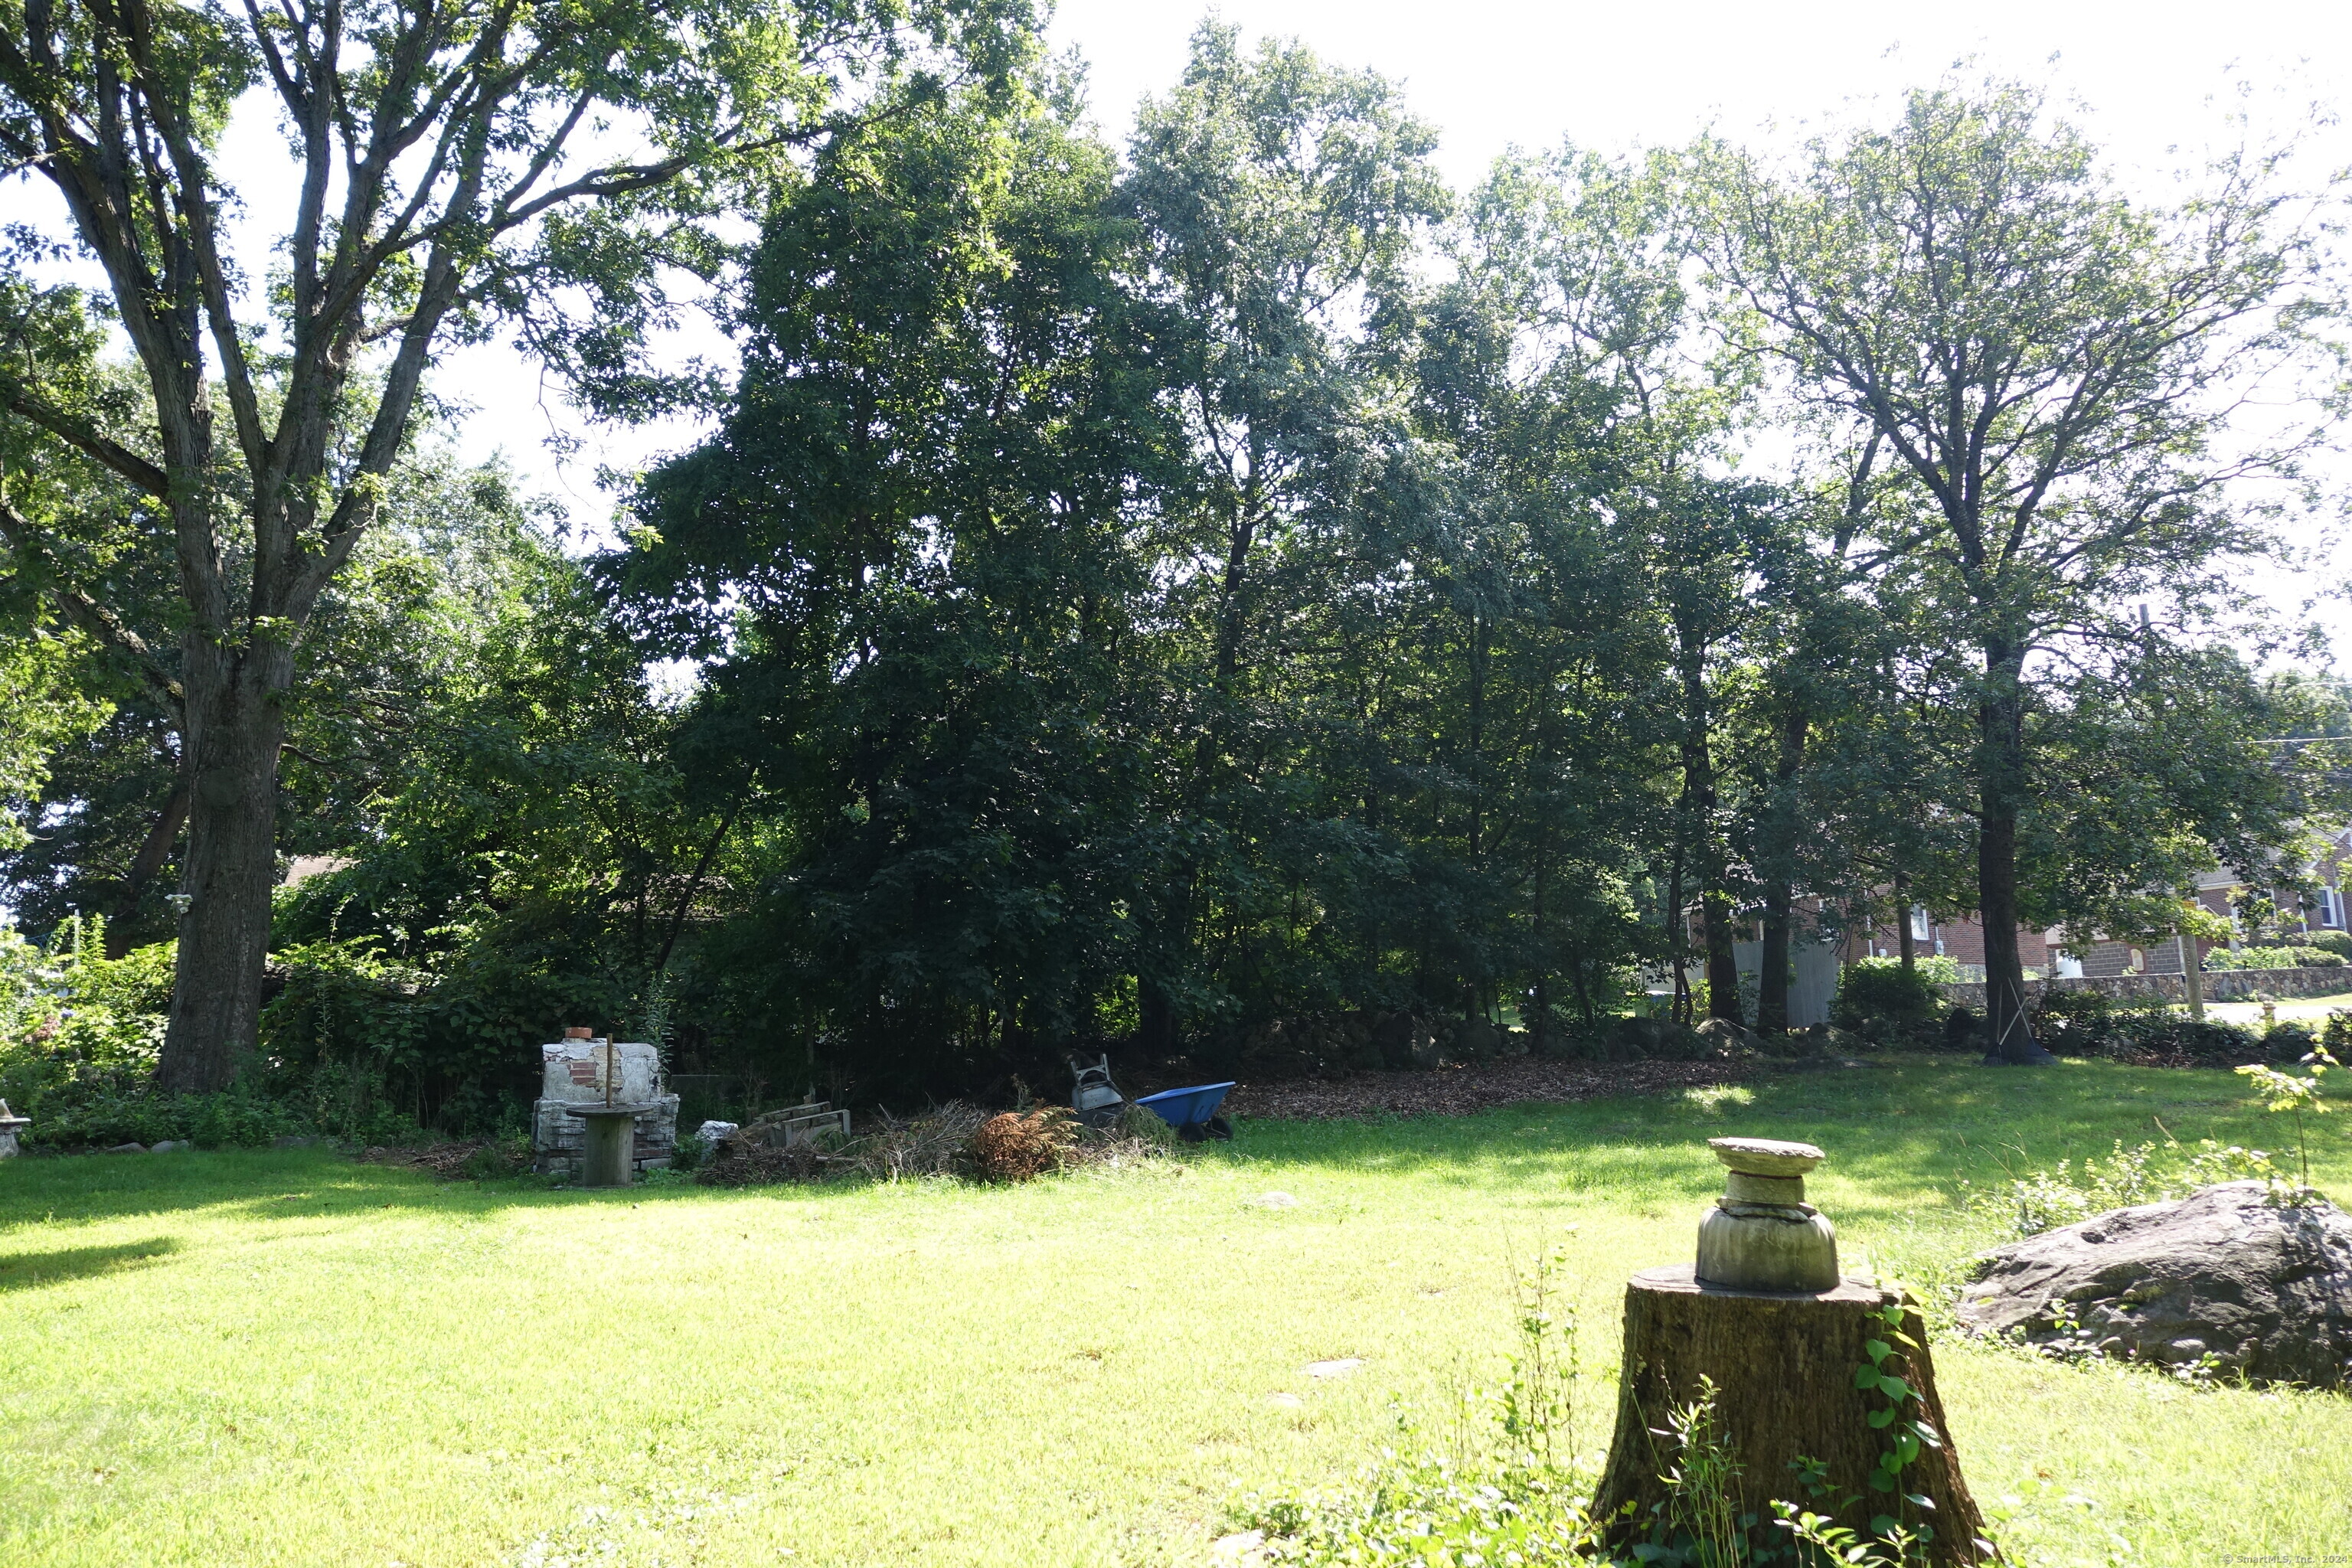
pixel 1762 1234
pixel 10 1125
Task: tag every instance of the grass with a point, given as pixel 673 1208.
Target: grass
pixel 285 1358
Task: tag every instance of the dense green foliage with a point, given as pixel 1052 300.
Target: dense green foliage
pixel 1135 596
pixel 2293 956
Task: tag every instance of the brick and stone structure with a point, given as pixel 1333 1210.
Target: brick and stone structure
pixel 575 1071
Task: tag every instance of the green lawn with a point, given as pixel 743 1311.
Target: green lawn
pixel 286 1358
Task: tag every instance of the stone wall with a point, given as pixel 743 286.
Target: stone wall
pixel 557 1135
pixel 2221 985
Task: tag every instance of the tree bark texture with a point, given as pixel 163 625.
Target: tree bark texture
pixel 1772 974
pixel 1783 1368
pixel 1781 846
pixel 2000 719
pixel 235 727
pixel 1722 967
pixel 1695 829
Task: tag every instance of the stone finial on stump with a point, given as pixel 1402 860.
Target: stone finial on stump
pixel 1762 1234
pixel 1784 1359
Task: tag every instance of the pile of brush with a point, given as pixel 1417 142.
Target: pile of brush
pixel 951 1139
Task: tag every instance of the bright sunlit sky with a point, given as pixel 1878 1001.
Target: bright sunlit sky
pixel 2156 86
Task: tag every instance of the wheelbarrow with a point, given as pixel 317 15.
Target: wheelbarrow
pixel 1192 1112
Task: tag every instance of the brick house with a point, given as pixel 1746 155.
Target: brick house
pixel 2220 891
pixel 1962 939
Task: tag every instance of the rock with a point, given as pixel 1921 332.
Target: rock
pixel 1340 1368
pixel 1284 1401
pixel 1478 1040
pixel 294 1141
pixel 128 1148
pixel 1660 1039
pixel 1767 1156
pixel 2264 1287
pixel 1275 1201
pixel 714 1132
pixel 1724 1038
pixel 170 1146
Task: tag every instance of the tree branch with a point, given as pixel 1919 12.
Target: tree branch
pixel 85 612
pixel 82 438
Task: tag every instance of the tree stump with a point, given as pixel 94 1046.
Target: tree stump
pixel 1784 1367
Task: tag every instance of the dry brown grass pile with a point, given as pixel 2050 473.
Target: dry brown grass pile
pixel 952 1139
pixel 1016 1145
pixel 931 1144
pixel 934 1143
pixel 740 1162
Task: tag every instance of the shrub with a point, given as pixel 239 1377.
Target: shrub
pixel 2296 957
pixel 237 1117
pixel 2047 1200
pixel 2175 1039
pixel 80 1034
pixel 2336 1033
pixel 2335 941
pixel 1882 989
pixel 1015 1146
pixel 506 1156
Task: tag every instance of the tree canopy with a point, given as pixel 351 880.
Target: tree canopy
pixel 1136 594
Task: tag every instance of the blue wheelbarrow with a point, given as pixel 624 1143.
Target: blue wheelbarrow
pixel 1192 1112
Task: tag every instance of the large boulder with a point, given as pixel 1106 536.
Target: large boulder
pixel 2264 1286
pixel 1725 1038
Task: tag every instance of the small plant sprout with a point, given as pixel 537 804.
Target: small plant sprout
pixel 2282 1091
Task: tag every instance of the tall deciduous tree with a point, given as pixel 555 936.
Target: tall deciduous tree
pixel 452 161
pixel 2057 368
pixel 910 557
pixel 1275 190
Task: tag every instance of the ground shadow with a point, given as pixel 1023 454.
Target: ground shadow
pixel 286 1184
pixel 24 1270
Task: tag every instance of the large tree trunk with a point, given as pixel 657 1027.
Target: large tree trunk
pixel 1722 967
pixel 1695 828
pixel 234 730
pixel 1780 848
pixel 1905 941
pixel 1772 977
pixel 1783 1366
pixel 2000 719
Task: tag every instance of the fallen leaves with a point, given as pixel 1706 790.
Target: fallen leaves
pixel 1457 1090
